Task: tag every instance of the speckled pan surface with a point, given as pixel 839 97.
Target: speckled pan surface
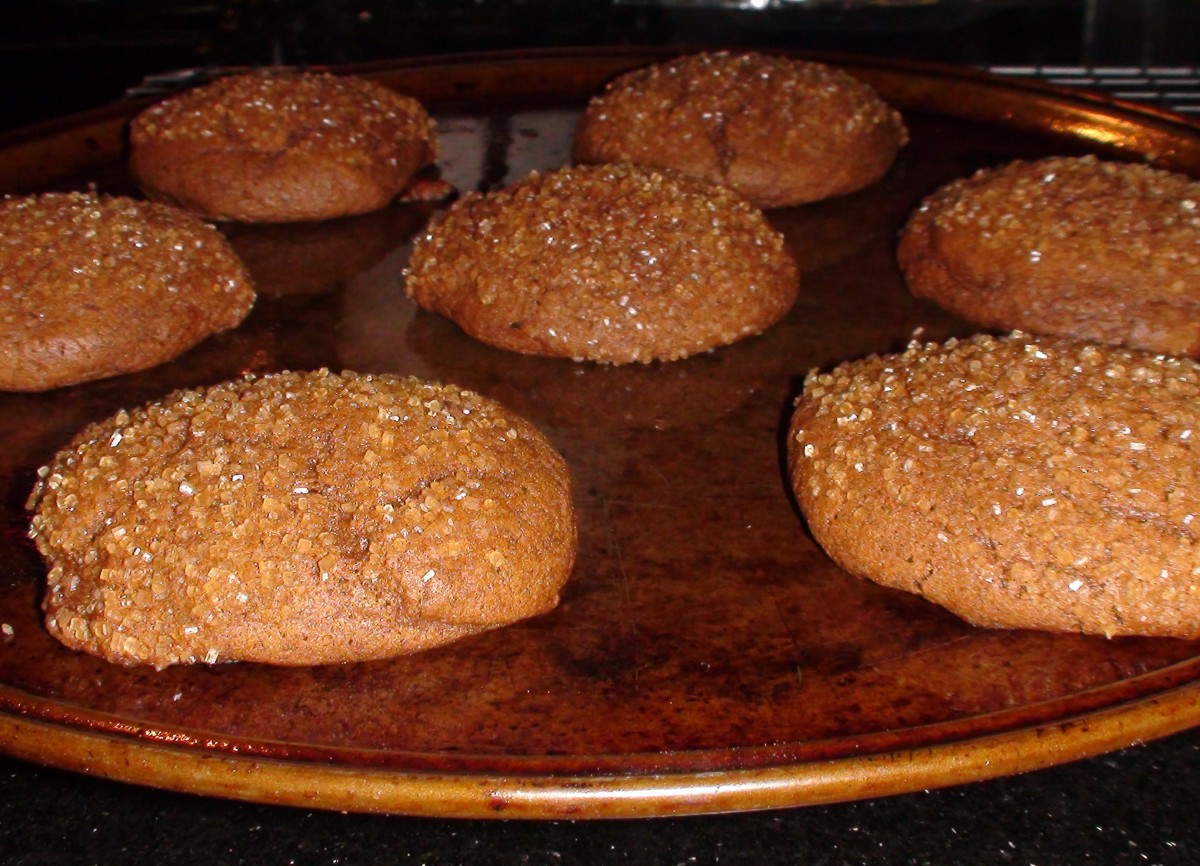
pixel 706 655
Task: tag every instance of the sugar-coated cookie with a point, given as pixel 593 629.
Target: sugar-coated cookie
pixel 779 131
pixel 281 146
pixel 605 263
pixel 1020 482
pixel 94 286
pixel 1075 246
pixel 301 518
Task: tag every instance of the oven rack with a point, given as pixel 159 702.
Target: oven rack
pixel 1176 88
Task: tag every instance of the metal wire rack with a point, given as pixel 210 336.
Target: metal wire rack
pixel 1176 88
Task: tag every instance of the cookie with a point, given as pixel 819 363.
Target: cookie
pixel 94 286
pixel 779 131
pixel 1074 246
pixel 281 146
pixel 605 263
pixel 300 518
pixel 1020 482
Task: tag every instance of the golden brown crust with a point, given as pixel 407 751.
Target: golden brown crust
pixel 1021 482
pixel 95 286
pixel 605 263
pixel 1073 246
pixel 281 147
pixel 779 131
pixel 301 519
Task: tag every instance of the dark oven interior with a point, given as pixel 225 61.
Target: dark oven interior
pixel 74 54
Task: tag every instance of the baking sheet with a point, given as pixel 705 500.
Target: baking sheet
pixel 706 655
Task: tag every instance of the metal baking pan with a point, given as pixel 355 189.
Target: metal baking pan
pixel 706 656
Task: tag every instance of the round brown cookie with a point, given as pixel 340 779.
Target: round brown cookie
pixel 779 131
pixel 1073 246
pixel 94 286
pixel 301 518
pixel 1020 482
pixel 281 146
pixel 605 263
